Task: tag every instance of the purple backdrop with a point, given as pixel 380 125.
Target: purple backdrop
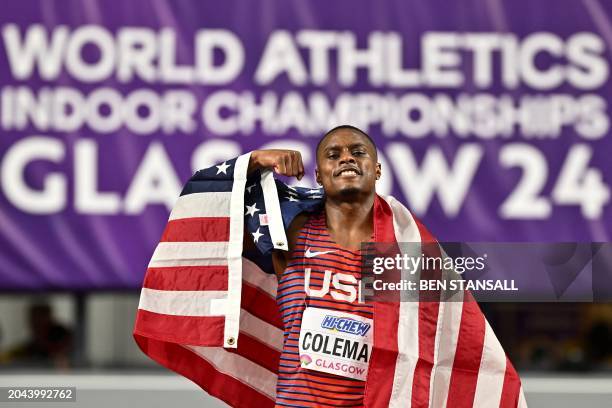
pixel 491 117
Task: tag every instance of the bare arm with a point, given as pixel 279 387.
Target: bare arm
pixel 285 162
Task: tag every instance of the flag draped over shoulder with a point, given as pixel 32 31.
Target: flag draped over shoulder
pixel 208 306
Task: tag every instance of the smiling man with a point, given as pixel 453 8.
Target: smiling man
pixel 319 275
pixel 277 320
pixel 347 169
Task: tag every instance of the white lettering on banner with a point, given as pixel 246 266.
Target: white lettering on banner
pixel 399 76
pixel 351 58
pixel 52 197
pixel 442 54
pixel 134 52
pixel 483 45
pixel 104 110
pixel 168 67
pixel 35 50
pixel 441 60
pixel 450 184
pixel 151 55
pixel 137 48
pixel 577 183
pixel 412 115
pixel 515 98
pixel 319 45
pixel 77 66
pixel 280 56
pixel 156 182
pixel 336 342
pixel 207 42
pixel 525 200
pixel 87 197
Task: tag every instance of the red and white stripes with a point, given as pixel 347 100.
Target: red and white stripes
pixel 211 315
pixel 188 319
pixel 205 311
pixel 447 354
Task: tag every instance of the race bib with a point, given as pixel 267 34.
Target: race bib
pixel 336 343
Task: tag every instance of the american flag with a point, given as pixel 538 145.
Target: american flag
pixel 208 307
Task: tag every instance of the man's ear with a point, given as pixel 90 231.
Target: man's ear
pixel 317 177
pixel 378 170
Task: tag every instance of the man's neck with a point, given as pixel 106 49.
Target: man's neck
pixel 350 219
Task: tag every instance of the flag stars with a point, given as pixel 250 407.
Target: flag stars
pixel 222 168
pixel 313 191
pixel 251 209
pixel 249 188
pixel 312 197
pixel 256 235
pixel 291 198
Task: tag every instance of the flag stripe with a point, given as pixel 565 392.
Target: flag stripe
pixel 252 274
pixel 404 230
pixel 196 330
pixel 492 370
pixel 257 328
pixel 195 205
pixel 449 324
pixel 198 185
pixel 197 230
pixel 187 278
pixel 522 403
pixel 200 370
pixel 512 392
pixel 261 305
pixel 182 302
pixel 468 355
pixel 189 253
pixel 428 326
pixel 252 349
pixel 239 368
pixel 386 315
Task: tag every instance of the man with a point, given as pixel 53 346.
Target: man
pixel 347 168
pixel 209 312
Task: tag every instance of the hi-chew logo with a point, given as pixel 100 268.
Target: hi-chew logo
pixel 345 325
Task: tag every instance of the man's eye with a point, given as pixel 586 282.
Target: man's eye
pixel 333 155
pixel 358 153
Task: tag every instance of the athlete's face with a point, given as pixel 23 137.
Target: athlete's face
pixel 347 164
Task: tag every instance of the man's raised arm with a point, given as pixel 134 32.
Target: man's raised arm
pixel 285 162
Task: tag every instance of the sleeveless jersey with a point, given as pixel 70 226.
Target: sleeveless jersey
pixel 297 386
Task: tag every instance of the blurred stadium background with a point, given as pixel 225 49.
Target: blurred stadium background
pixel 491 117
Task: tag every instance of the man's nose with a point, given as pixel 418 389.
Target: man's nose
pixel 346 157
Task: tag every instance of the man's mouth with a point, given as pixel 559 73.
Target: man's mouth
pixel 348 172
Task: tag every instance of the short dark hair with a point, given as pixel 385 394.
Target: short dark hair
pixel 344 127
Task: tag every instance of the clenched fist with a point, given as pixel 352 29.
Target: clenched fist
pixel 285 162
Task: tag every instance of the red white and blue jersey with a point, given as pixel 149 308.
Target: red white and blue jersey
pixel 317 252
